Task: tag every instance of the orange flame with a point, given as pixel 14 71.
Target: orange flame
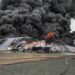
pixel 50 35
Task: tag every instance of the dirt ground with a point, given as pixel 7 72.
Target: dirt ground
pixel 46 64
pixel 47 67
pixel 13 58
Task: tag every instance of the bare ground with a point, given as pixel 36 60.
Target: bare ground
pixel 14 58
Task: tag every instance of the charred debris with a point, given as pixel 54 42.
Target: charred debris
pixel 41 19
pixel 28 44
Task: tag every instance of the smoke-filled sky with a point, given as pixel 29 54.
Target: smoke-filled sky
pixel 36 18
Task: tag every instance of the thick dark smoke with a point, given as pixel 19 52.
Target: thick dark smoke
pixel 5 3
pixel 72 13
pixel 36 18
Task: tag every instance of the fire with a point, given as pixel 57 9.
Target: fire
pixel 50 35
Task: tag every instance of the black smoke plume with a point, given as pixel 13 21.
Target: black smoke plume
pixel 36 18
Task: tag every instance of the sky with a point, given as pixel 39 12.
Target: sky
pixel 72 24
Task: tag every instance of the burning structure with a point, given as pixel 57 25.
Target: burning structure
pixel 37 18
pixel 28 44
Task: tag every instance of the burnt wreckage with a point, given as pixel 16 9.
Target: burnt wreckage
pixel 37 18
pixel 28 44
